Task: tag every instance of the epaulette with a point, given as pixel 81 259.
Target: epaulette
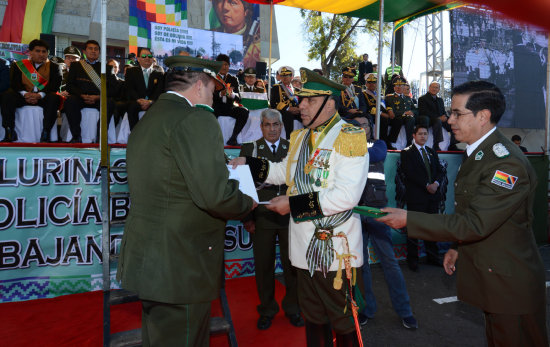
pixel 204 107
pixel 294 135
pixel 351 142
pixel 500 150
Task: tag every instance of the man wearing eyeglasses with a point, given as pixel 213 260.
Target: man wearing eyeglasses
pixel 500 268
pixel 143 85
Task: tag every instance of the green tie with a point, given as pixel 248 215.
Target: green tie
pixel 146 77
pixel 427 164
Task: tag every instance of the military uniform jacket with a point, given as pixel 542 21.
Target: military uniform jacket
pixel 279 99
pixel 499 266
pixel 79 82
pixel 135 84
pixel 348 101
pixel 16 82
pixel 399 104
pixel 254 89
pixel 339 191
pixel 367 104
pixel 264 218
pixel 173 244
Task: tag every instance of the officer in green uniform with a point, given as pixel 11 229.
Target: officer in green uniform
pixel 173 244
pixel 266 226
pixel 250 81
pixel 499 266
pixel 399 108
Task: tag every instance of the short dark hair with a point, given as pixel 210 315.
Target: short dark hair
pixel 38 43
pixel 420 126
pixel 223 57
pixel 483 95
pixel 516 138
pixel 180 80
pixel 91 42
pixel 141 49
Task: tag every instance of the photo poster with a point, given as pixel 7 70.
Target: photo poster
pixel 168 27
pixel 11 51
pixel 511 55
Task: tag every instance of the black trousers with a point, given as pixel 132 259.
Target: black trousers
pixel 12 100
pixel 514 330
pixel 240 114
pixel 73 107
pixel 396 124
pixel 288 122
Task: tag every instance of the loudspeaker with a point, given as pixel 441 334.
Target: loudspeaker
pixel 50 40
pixel 261 69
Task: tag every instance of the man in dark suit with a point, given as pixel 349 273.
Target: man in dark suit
pixel 266 226
pixel 283 99
pixel 423 175
pixel 143 85
pixel 500 269
pixel 432 107
pixel 173 244
pixel 226 99
pixel 84 84
pixel 33 82
pixel 365 67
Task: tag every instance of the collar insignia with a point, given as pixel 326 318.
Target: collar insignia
pixel 479 155
pixel 261 146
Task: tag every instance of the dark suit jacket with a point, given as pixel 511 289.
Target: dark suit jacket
pixel 173 244
pixel 416 179
pixel 222 108
pixel 499 267
pixel 79 83
pixel 364 67
pixel 429 107
pixel 264 218
pixel 16 82
pixel 135 84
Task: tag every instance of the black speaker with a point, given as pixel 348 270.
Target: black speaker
pixel 261 69
pixel 50 40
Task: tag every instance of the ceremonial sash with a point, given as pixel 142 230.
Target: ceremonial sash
pixel 91 74
pixel 30 72
pixel 289 94
pixel 320 251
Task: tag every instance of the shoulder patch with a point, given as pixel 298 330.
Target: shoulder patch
pixel 351 142
pixel 504 179
pixel 500 150
pixel 205 107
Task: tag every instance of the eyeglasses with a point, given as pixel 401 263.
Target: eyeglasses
pixel 147 56
pixel 458 114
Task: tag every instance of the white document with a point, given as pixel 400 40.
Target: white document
pixel 246 185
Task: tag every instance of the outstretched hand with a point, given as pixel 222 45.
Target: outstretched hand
pixel 396 218
pixel 237 161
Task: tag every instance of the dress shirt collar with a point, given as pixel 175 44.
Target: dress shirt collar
pixel 91 62
pixel 471 148
pixel 181 96
pixel 419 147
pixel 148 70
pixel 274 143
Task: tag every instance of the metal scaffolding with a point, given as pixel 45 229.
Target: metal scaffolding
pixel 435 68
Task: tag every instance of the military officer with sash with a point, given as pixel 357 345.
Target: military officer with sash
pixel 83 86
pixel 33 82
pixel 266 226
pixel 399 108
pixel 283 99
pixel 173 244
pixel 325 171
pixel 350 98
pixel 497 260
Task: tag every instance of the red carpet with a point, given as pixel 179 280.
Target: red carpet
pixel 76 320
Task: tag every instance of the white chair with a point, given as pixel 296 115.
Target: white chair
pixel 29 125
pixel 88 127
pixel 226 125
pixel 123 128
pixel 402 139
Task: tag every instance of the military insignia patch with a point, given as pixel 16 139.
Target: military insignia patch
pixel 504 180
pixel 284 146
pixel 479 155
pixel 261 146
pixel 500 150
pixel 303 76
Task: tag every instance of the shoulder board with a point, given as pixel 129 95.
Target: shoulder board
pixel 351 142
pixel 294 135
pixel 205 107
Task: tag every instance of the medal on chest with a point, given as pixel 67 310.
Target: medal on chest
pixel 318 167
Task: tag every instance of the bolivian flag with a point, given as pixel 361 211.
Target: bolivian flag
pixel 24 20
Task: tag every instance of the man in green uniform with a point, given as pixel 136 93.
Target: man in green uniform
pixel 399 108
pixel 500 268
pixel 266 226
pixel 173 243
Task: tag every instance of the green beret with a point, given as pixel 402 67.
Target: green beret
pixel 186 63
pixel 314 84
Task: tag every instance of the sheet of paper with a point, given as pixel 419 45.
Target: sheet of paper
pixel 264 203
pixel 246 185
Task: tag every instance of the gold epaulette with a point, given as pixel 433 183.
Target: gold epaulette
pixel 294 135
pixel 351 142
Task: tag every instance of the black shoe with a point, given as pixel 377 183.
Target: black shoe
pixel 264 322
pixel 295 319
pixel 413 264
pixel 363 319
pixel 10 136
pixel 232 142
pixel 410 322
pixel 45 136
pixel 76 139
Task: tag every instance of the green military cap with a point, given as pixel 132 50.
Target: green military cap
pixel 349 71
pixel 371 77
pixel 190 64
pixel 72 50
pixel 314 84
pixel 250 71
pixel 399 81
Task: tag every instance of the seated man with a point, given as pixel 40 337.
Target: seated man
pixel 431 106
pixel 72 54
pixel 283 99
pixel 250 81
pixel 84 85
pixel 399 108
pixel 226 99
pixel 350 97
pixel 367 104
pixel 143 85
pixel 34 82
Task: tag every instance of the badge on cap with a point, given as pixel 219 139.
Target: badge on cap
pixel 500 150
pixel 504 180
pixel 479 155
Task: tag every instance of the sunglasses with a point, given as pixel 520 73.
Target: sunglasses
pixel 147 56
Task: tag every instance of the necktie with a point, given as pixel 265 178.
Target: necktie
pixel 274 149
pixel 146 77
pixel 426 163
